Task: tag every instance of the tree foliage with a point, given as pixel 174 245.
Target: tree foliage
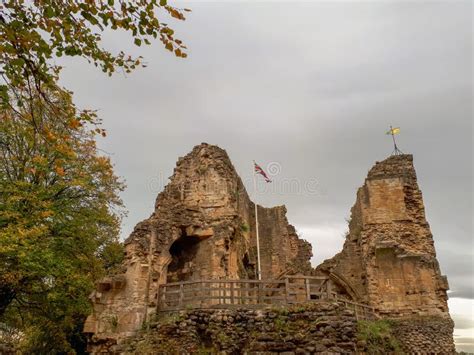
pixel 59 204
pixel 59 210
pixel 32 33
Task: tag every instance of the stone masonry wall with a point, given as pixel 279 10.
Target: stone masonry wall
pixel 203 227
pixel 317 328
pixel 389 261
pixel 388 258
pixel 425 335
pixel 311 328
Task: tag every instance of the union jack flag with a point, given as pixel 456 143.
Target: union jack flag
pixel 260 171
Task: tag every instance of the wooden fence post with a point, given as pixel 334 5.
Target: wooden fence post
pixel 308 290
pixel 158 299
pixel 181 296
pixel 163 297
pixel 328 288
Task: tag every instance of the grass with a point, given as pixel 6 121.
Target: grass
pixel 378 335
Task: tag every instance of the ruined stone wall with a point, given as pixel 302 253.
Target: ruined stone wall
pixel 388 257
pixel 203 227
pixel 318 328
pixel 311 328
pixel 389 261
pixel 282 252
pixel 425 335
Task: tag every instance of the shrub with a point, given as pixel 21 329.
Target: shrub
pixel 378 336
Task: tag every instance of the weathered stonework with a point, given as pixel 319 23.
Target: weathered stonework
pixel 317 328
pixel 388 257
pixel 202 228
pixel 425 335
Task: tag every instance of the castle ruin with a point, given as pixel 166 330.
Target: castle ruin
pixel 203 228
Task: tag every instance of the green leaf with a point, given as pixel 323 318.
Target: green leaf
pixel 138 42
pixel 19 62
pixel 4 99
pixel 162 2
pixel 89 17
pixel 49 12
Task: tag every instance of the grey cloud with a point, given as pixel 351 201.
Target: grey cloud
pixel 463 322
pixel 314 87
pixel 462 291
pixel 468 348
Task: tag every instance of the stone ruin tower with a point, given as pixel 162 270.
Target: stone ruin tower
pixel 388 259
pixel 203 228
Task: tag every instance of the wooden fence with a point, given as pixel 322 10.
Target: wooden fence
pixel 251 293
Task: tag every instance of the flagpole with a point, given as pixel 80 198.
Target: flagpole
pixel 259 270
pixel 393 137
pixel 396 151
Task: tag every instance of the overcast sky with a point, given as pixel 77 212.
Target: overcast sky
pixel 309 88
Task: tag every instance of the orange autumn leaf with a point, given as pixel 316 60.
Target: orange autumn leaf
pixel 50 136
pixel 59 170
pixel 74 124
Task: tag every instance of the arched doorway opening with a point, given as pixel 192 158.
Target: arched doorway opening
pixel 183 253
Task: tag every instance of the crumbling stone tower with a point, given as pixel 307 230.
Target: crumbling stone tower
pixel 202 228
pixel 389 258
pixel 389 261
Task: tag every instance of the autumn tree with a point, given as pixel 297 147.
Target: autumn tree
pixel 32 33
pixel 59 208
pixel 59 198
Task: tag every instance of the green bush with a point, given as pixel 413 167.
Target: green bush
pixel 244 227
pixel 378 336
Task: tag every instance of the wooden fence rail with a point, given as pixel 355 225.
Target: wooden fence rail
pixel 251 293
